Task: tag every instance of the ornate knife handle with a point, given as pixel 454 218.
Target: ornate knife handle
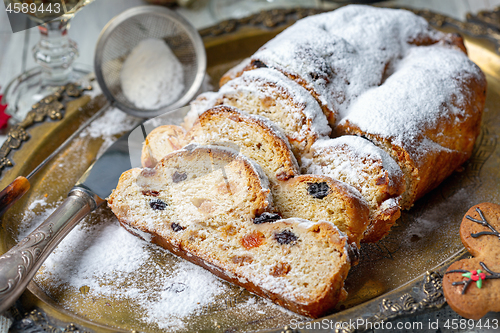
pixel 19 264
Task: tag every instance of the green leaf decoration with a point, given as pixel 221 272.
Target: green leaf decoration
pixel 467 275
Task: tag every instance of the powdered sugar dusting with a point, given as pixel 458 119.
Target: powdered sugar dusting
pixel 111 124
pixel 428 84
pixel 351 155
pixel 37 203
pixel 104 257
pixel 117 266
pixel 201 287
pixel 327 53
pixel 151 76
pixel 264 82
pixel 98 258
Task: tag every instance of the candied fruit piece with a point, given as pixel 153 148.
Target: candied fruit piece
pixel 280 269
pixel 151 193
pixel 178 177
pixel 241 260
pixel 252 240
pixel 284 175
pixel 148 172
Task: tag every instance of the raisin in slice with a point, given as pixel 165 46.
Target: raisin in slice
pixel 177 227
pixel 266 217
pixel 353 253
pixel 179 177
pixel 315 76
pixel 259 64
pixel 285 237
pixel 158 204
pixel 318 190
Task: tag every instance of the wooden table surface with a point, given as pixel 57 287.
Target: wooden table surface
pixel 16 57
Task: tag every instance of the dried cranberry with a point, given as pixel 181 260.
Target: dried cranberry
pixel 266 217
pixel 285 237
pixel 177 227
pixel 318 190
pixel 148 172
pixel 158 204
pixel 151 193
pixel 179 177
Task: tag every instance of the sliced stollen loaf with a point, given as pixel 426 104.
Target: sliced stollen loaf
pixel 187 205
pixel 369 169
pixel 261 141
pixel 197 184
pixel 340 54
pixel 322 198
pixel 257 138
pixel 427 115
pixel 269 93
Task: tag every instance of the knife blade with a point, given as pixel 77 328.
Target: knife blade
pixel 15 190
pixel 19 264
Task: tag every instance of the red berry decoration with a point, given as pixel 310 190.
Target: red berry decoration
pixel 4 118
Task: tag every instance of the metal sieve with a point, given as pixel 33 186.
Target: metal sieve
pixel 122 34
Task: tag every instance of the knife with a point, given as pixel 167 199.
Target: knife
pixel 19 264
pixel 15 190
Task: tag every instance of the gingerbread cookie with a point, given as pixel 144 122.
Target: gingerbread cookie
pixel 472 286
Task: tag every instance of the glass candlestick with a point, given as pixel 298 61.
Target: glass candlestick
pixel 54 54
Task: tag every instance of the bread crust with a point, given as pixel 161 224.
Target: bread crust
pixel 284 163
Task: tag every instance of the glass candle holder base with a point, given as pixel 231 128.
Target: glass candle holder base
pixel 28 88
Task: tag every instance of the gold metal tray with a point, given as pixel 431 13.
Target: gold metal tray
pixel 424 240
